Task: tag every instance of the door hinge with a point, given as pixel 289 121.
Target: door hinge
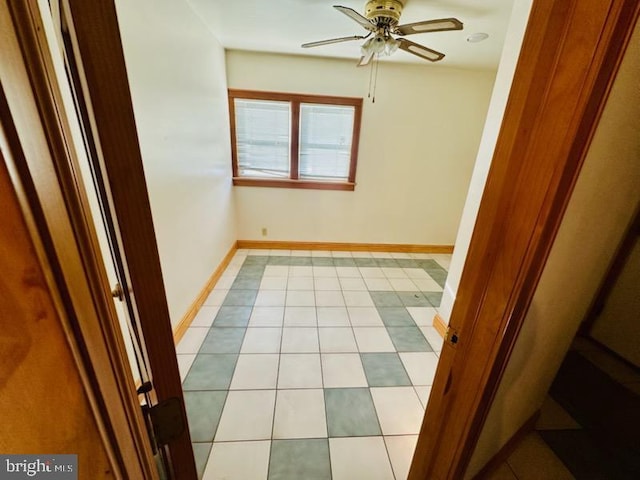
pixel 117 292
pixel 166 421
pixel 451 336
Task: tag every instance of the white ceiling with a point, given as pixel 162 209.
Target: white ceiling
pixel 281 26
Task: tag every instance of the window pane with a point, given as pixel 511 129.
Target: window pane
pixel 262 138
pixel 325 141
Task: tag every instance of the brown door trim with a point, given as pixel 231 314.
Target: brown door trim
pixel 42 162
pixel 570 54
pixel 95 33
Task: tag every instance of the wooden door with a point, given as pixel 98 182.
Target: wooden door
pixel 108 118
pixel 569 57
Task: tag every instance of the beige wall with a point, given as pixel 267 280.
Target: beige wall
pixel 417 148
pixel 600 209
pixel 178 84
pixel 618 325
pixel 493 122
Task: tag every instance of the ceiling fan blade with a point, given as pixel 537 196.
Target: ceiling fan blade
pixel 439 25
pixel 332 40
pixel 353 15
pixel 365 60
pixel 420 51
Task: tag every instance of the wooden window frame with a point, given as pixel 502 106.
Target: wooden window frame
pixel 295 100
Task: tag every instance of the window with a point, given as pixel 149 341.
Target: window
pixel 294 141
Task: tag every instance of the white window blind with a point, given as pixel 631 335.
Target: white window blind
pixel 262 138
pixel 325 141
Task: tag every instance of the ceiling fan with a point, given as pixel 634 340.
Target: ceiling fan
pixel 381 19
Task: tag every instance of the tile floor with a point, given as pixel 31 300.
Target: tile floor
pixel 312 365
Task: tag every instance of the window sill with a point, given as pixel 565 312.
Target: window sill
pixel 287 183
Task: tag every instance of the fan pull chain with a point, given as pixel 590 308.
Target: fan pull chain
pixel 370 77
pixel 375 80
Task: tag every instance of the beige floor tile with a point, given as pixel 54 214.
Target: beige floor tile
pixel 266 317
pixel 247 415
pixel 228 461
pixel 205 316
pixel 399 410
pixel 359 458
pixel 300 340
pixel 255 371
pixel 337 340
pixel 333 317
pixel 300 370
pixel 261 340
pixel 192 340
pixel 184 364
pixel 330 298
pixel 300 414
pixel 364 317
pixel 421 366
pixel 300 317
pixel 373 339
pixel 401 450
pixel 343 370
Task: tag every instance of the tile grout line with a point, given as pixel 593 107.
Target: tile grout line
pixel 275 400
pixel 324 397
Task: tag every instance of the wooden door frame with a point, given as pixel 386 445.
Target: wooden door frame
pixel 95 31
pixel 570 55
pixel 41 160
pixel 95 35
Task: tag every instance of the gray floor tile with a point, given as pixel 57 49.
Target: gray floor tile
pixel 211 372
pixel 279 260
pixel 440 276
pixel 365 262
pixel 386 299
pixel 203 413
pixel 236 316
pixel 386 262
pixel 350 412
pixel 300 459
pixel 428 264
pixel 434 298
pixel 413 299
pixel 256 260
pixel 322 261
pixel 201 454
pixel 251 271
pixel 240 298
pixel 246 283
pixel 407 263
pixel 408 339
pixel 384 370
pixel 396 317
pixel 300 261
pixel 223 340
pixel 344 262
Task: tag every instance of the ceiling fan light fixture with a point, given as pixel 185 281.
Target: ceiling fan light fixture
pixel 366 49
pixel 477 37
pixel 391 45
